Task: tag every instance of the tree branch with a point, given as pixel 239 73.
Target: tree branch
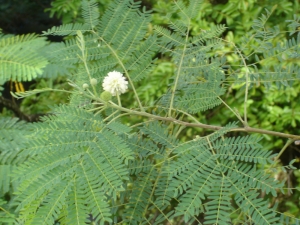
pixel 16 110
pixel 13 107
pixel 206 126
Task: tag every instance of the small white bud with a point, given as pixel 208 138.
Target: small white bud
pixel 85 86
pixel 93 81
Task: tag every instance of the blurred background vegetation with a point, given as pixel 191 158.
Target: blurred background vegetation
pixel 272 109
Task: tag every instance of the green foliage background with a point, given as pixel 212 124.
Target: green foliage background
pixel 270 108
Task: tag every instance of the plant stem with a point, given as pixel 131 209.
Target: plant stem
pixel 173 120
pixel 178 71
pixel 290 141
pixel 235 113
pixel 246 86
pixel 119 100
pixel 81 46
pixel 205 126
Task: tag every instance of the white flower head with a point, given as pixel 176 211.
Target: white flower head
pixel 115 83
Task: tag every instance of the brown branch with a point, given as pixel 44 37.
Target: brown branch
pixel 206 126
pixel 13 107
pixel 16 110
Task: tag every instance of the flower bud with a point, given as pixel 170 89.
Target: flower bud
pixel 85 86
pixel 106 96
pixel 93 81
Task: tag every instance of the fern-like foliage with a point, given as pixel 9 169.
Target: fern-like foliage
pixel 85 164
pixel 14 136
pixel 272 55
pixel 21 58
pixel 92 155
pixel 198 76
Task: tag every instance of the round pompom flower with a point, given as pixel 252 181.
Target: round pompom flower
pixel 115 83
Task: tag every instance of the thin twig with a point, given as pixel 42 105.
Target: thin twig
pixel 206 126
